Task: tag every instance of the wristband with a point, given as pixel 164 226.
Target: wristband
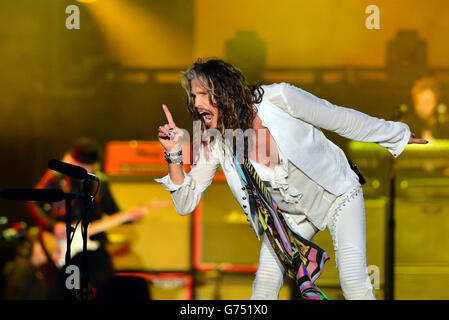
pixel 174 157
pixel 173 154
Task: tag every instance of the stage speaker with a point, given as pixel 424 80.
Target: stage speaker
pixel 228 286
pixel 161 286
pixel 161 240
pixel 422 248
pixel 375 214
pixel 422 228
pixel 421 282
pixel 223 238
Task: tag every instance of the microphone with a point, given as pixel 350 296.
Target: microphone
pixel 48 195
pixel 71 170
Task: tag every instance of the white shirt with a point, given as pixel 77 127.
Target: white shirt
pixel 294 118
pixel 296 195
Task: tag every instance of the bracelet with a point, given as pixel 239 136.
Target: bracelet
pixel 175 157
pixel 173 154
pixel 175 160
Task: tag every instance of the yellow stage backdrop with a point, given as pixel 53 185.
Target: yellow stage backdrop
pixel 320 32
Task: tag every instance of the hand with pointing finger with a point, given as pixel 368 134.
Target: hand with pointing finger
pixel 169 135
pixel 413 140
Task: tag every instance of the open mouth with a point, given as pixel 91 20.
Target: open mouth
pixel 207 117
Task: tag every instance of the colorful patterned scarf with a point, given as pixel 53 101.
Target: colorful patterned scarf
pixel 302 259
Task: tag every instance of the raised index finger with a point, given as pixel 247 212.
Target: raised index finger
pixel 171 123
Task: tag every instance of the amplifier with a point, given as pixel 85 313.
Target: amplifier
pixel 162 286
pixel 161 240
pixel 223 238
pixel 422 229
pixel 214 285
pixel 422 189
pixel 420 170
pixel 138 158
pixel 421 283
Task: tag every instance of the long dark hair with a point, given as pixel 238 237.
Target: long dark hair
pixel 228 87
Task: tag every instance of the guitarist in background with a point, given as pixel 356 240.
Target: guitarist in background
pixel 429 112
pixel 51 216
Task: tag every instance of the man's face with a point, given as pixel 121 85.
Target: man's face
pixel 425 104
pixel 207 111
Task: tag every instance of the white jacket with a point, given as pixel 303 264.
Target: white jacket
pixel 294 118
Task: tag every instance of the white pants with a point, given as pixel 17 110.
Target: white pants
pixel 347 228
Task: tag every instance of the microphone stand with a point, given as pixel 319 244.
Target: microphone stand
pixel 87 202
pixel 390 230
pixel 390 223
pixel 69 229
pixel 68 222
pixel 79 173
pixel 88 199
pixel 57 196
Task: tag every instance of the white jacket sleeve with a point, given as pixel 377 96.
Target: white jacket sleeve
pixel 346 122
pixel 187 196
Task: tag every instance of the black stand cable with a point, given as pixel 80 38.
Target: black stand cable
pixel 390 232
pixel 390 220
pixel 88 199
pixel 69 230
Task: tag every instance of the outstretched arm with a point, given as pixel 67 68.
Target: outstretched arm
pixel 346 122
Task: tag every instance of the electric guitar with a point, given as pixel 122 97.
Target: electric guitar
pixel 57 248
